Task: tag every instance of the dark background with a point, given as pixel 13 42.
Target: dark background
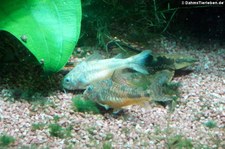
pixel 141 20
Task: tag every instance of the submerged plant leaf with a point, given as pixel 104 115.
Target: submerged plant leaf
pixel 48 29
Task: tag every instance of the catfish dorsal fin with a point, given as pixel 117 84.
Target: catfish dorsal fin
pixel 116 76
pixel 94 56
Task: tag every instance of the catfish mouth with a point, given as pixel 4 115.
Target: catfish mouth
pixel 75 91
pixel 66 84
pixel 69 88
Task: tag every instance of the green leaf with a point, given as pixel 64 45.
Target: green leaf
pixel 48 29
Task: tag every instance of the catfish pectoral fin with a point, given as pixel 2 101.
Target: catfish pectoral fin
pixel 117 111
pixel 139 68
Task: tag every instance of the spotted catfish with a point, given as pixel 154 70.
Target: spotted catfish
pixel 113 95
pixel 88 72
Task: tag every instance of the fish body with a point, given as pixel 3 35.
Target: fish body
pixel 171 61
pixel 113 95
pixel 153 83
pixel 88 72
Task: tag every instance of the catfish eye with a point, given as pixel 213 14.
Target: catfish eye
pixel 67 80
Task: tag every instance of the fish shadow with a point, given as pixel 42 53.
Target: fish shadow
pixel 182 72
pixel 27 81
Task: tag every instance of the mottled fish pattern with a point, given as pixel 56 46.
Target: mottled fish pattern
pixel 113 95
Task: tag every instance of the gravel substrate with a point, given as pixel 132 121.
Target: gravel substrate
pixel 202 101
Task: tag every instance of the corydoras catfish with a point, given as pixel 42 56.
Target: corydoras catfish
pixel 88 72
pixel 113 95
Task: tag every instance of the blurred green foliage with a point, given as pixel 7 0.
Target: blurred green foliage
pixel 179 142
pixel 56 130
pixel 138 19
pixel 37 126
pixel 6 140
pixel 107 145
pixel 82 105
pixel 210 124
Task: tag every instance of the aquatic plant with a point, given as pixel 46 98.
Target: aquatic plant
pixel 91 130
pixel 82 105
pixel 107 145
pixel 210 124
pixel 109 136
pixel 51 41
pixel 179 142
pixel 56 118
pixel 37 126
pixel 141 19
pixel 6 140
pixel 58 131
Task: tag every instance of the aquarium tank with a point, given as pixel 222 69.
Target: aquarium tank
pixel 111 74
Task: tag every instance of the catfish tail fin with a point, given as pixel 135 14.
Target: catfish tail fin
pixel 139 61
